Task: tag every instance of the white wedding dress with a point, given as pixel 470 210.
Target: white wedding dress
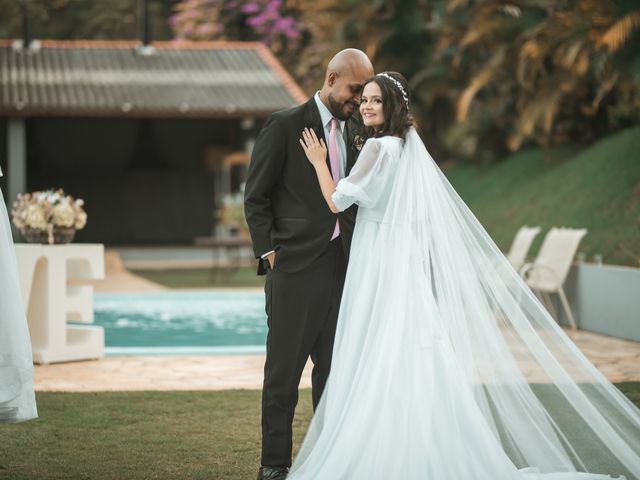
pixel 17 398
pixel 445 365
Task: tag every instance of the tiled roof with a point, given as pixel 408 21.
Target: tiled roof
pixel 114 78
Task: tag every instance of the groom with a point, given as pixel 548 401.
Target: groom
pixel 302 247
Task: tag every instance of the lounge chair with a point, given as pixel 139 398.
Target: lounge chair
pixel 520 246
pixel 547 273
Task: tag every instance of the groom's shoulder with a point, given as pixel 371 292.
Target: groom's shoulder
pixel 284 121
pixel 289 114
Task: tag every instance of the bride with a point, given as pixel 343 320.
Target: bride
pixel 17 398
pixel 445 365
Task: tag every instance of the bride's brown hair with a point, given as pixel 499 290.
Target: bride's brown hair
pixel 395 106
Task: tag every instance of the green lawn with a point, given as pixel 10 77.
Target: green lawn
pixel 140 435
pixel 147 435
pixel 597 188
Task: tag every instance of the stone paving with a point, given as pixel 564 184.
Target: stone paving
pixel 618 360
pixel 156 373
pixel 119 279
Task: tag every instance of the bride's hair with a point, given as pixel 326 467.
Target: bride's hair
pixel 395 106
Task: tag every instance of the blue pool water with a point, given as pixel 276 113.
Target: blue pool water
pixel 182 322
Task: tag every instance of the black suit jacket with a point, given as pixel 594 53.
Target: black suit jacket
pixel 284 206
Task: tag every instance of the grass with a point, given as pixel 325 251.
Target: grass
pixel 597 188
pixel 147 435
pixel 204 277
pixel 140 435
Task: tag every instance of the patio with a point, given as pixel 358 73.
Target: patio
pixel 618 359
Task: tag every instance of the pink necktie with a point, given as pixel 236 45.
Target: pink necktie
pixel 334 160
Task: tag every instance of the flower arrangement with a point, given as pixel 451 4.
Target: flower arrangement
pixel 48 216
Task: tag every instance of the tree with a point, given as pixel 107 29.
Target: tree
pixel 550 72
pixel 487 76
pixel 268 21
pixel 84 19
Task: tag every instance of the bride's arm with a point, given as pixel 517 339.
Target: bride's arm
pixel 316 152
pixel 365 182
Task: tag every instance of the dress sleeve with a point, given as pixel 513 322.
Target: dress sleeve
pixel 365 183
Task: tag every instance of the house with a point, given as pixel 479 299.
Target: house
pixel 151 136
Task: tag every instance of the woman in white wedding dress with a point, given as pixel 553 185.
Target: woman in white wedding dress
pixel 445 365
pixel 17 398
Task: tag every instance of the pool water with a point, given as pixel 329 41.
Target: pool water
pixel 182 322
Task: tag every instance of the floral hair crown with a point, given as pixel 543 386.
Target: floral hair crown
pixel 397 84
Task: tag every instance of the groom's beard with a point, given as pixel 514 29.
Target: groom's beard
pixel 341 110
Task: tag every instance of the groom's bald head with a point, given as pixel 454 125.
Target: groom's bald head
pixel 346 73
pixel 349 60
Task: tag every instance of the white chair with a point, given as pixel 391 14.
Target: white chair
pixel 521 245
pixel 547 273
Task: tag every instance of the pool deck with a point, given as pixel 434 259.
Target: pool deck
pixel 158 373
pixel 618 360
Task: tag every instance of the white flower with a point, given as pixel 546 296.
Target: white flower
pixel 62 215
pixel 35 217
pixel 48 209
pixel 81 221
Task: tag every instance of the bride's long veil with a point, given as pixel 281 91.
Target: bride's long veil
pixel 549 406
pixel 444 361
pixel 17 399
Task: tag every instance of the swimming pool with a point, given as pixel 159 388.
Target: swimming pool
pixel 182 323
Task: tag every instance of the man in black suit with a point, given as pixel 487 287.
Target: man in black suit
pixel 301 246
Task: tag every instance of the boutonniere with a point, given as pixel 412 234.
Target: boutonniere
pixel 357 142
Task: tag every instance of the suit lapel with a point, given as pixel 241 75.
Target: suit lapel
pixel 313 120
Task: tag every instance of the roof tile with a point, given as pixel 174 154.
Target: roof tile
pixel 112 78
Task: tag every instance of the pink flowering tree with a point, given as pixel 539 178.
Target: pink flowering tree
pixel 266 21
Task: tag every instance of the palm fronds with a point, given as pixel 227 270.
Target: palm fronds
pixel 617 35
pixel 559 70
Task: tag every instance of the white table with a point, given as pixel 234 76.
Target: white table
pixel 50 300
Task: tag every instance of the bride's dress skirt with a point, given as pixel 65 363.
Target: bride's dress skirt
pixel 17 398
pixel 399 404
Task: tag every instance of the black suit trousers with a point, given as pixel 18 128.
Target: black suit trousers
pixel 302 311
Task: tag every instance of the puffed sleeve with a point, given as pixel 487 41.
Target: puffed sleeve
pixel 365 183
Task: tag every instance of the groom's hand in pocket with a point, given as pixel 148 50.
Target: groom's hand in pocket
pixel 272 259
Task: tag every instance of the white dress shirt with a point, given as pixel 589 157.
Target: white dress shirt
pixel 325 117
